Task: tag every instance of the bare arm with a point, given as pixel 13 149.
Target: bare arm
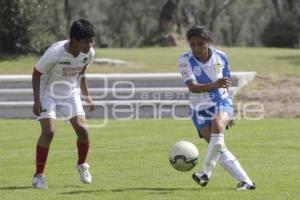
pixel 195 87
pixel 84 90
pixel 36 79
pixel 83 84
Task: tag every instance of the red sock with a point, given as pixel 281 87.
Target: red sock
pixel 41 158
pixel 82 149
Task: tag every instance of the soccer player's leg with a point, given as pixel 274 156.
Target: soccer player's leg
pixel 73 110
pixel 200 177
pixel 83 142
pixel 229 162
pixel 215 146
pixel 202 122
pixel 42 149
pixel 47 122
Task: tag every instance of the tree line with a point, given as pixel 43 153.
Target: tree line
pixel 29 26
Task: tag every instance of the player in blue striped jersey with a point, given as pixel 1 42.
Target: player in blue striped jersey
pixel 206 72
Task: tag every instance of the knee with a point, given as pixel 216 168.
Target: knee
pixel 82 130
pixel 218 126
pixel 204 135
pixel 82 133
pixel 48 134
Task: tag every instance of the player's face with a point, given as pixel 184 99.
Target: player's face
pixel 198 46
pixel 85 44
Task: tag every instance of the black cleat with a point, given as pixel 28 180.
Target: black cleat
pixel 201 178
pixel 241 186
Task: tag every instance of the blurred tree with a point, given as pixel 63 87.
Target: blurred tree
pixel 168 20
pixel 168 31
pixel 204 12
pixel 68 13
pixel 14 26
pixel 46 27
pixel 30 26
pixel 26 27
pixel 216 8
pixel 284 27
pixel 241 24
pixel 215 16
pixel 134 21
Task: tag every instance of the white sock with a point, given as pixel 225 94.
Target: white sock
pixel 232 165
pixel 215 146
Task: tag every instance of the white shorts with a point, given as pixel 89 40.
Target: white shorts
pixel 68 108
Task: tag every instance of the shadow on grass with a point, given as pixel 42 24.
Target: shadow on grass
pixel 156 190
pixel 72 186
pixel 15 188
pixel 30 187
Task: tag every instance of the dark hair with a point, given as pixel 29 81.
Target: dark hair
pixel 82 29
pixel 199 31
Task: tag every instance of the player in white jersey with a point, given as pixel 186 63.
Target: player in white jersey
pixel 57 80
pixel 206 72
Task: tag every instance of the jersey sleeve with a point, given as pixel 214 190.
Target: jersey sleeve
pixel 186 70
pixel 47 61
pixel 91 56
pixel 226 69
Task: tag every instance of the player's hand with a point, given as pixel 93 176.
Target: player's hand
pixel 223 83
pixel 230 124
pixel 90 104
pixel 36 108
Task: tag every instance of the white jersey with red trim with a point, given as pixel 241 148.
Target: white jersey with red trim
pixel 60 70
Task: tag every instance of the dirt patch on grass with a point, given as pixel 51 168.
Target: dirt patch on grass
pixel 280 96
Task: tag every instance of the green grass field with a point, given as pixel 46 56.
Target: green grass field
pixel 265 61
pixel 129 161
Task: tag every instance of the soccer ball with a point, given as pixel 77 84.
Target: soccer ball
pixel 183 156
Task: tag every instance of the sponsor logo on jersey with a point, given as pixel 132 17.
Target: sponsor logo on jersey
pixel 65 63
pixel 71 71
pixel 84 60
pixel 43 109
pixel 218 67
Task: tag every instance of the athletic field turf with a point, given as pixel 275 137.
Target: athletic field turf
pixel 129 161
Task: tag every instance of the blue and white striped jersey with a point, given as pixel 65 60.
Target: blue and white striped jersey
pixel 216 67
